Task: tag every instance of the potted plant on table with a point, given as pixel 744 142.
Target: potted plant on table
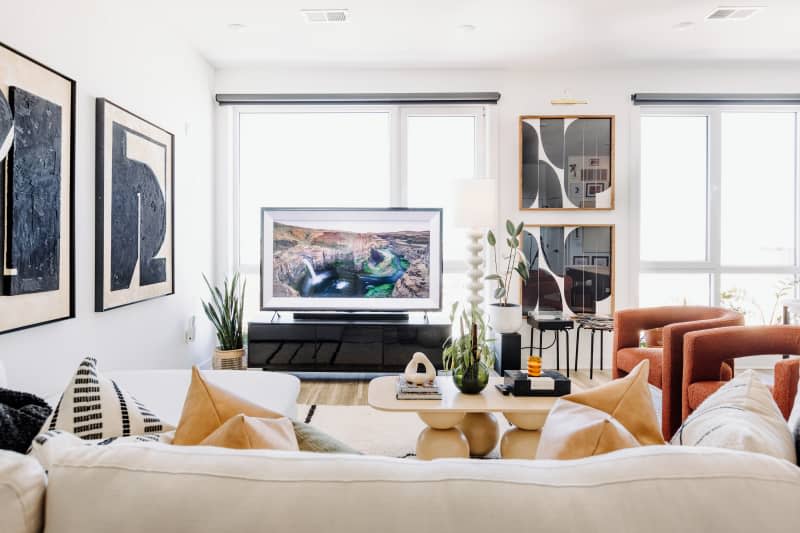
pixel 506 317
pixel 469 355
pixel 225 311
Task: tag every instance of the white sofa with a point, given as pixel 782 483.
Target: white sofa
pixel 156 487
pixel 133 488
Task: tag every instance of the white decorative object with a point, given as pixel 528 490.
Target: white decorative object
pixel 505 318
pixel 475 210
pixel 412 374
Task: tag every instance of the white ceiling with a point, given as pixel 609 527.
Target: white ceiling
pixel 508 34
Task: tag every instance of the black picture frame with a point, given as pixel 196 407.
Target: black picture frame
pixel 102 107
pixel 11 301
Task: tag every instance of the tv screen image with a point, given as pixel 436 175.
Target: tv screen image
pixel 351 259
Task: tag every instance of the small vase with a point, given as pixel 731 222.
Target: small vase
pixel 505 318
pixel 471 380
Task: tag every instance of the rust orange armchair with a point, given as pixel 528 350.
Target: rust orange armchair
pixel 666 361
pixel 708 361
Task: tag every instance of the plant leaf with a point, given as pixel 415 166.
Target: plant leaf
pixel 499 292
pixel 510 228
pixel 520 227
pixel 490 238
pixel 492 277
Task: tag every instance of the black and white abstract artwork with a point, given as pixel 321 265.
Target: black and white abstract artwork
pixel 567 162
pixel 134 222
pixel 36 193
pixel 561 277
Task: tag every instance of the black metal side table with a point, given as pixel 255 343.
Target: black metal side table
pixel 557 323
pixel 593 324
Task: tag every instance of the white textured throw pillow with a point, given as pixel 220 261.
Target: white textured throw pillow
pixel 95 407
pixel 741 415
pixel 794 423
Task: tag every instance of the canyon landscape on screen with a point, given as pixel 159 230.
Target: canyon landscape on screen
pixel 317 262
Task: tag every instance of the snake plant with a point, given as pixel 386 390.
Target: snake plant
pixel 225 311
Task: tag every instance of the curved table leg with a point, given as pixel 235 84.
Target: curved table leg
pixel 481 431
pixel 522 440
pixel 441 438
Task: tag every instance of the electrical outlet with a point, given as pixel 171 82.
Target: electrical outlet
pixel 190 332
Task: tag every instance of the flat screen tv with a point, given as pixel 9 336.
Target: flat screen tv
pixel 387 260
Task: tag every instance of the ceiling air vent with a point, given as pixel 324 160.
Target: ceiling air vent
pixel 326 16
pixel 733 13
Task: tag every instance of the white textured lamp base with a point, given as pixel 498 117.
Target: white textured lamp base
pixel 475 267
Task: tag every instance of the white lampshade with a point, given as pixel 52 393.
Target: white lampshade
pixel 475 203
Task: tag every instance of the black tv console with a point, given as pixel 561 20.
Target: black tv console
pixel 317 345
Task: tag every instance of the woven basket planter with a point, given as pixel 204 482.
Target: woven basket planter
pixel 228 359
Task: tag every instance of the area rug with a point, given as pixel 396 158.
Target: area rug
pixel 371 431
pixel 376 432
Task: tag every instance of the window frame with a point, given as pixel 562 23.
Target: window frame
pixel 398 150
pixel 713 266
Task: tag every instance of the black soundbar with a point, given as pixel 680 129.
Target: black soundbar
pixel 353 317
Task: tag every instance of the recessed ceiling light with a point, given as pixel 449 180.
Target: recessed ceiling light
pixel 734 12
pixel 468 27
pixel 236 27
pixel 326 16
pixel 685 25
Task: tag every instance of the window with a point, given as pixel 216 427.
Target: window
pixel 719 209
pixel 364 156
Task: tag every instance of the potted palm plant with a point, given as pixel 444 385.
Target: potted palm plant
pixel 225 311
pixel 468 355
pixel 506 317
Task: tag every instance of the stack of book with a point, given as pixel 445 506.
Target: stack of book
pixel 411 391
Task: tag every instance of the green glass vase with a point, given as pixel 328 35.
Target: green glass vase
pixel 472 379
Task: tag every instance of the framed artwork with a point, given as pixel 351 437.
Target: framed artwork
pixel 37 197
pixel 566 162
pixel 561 278
pixel 134 211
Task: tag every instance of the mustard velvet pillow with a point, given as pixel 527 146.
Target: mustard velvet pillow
pixel 611 417
pixel 244 432
pixel 208 406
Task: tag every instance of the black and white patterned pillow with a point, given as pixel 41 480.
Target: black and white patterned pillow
pixel 94 407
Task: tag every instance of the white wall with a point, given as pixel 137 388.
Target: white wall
pixel 114 53
pixel 530 92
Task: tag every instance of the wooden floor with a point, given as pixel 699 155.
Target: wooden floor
pixel 338 392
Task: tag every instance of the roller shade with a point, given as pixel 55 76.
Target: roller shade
pixel 358 98
pixel 716 98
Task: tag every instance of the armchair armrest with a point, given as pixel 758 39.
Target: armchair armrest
pixel 787 374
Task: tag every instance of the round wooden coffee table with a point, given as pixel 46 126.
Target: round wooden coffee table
pixel 463 425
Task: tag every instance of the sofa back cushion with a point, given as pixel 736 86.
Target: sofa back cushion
pixel 187 489
pixel 22 487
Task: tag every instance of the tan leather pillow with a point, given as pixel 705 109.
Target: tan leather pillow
pixel 207 407
pixel 244 432
pixel 611 417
